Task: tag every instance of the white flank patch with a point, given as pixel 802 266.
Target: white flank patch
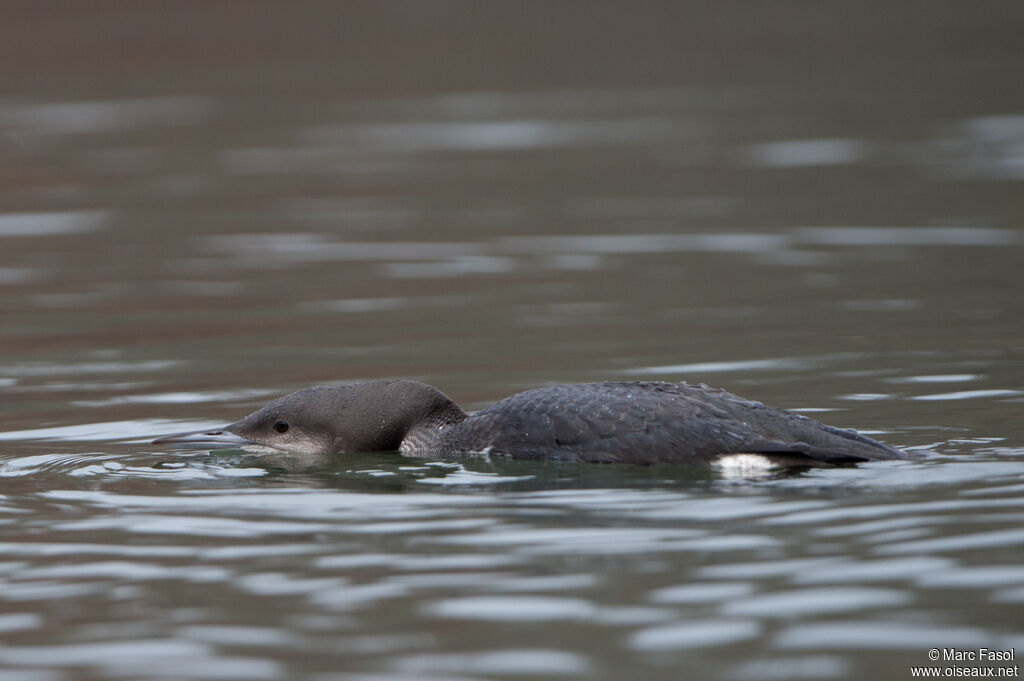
pixel 741 465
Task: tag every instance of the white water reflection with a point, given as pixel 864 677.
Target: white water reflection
pixel 866 397
pixel 982 148
pixel 539 662
pixel 359 305
pixel 792 668
pixel 313 247
pixel 737 242
pixel 101 431
pixel 20 275
pixel 702 592
pixel 907 236
pixel 86 367
pixel 960 542
pixel 700 633
pixel 500 135
pixel 454 267
pixel 92 117
pixel 969 395
pixel 921 568
pixel 883 635
pixel 937 378
pixel 195 397
pixel 513 608
pixel 50 224
pixel 807 153
pixel 805 602
pixel 975 577
pixel 777 364
pixel 19 621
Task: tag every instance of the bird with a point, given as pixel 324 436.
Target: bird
pixel 633 422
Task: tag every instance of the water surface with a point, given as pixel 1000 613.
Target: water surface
pixel 205 207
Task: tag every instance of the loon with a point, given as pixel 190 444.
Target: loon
pixel 627 422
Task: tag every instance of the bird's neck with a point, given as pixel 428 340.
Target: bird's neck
pixel 421 412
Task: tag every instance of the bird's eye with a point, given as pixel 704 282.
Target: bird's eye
pixel 281 426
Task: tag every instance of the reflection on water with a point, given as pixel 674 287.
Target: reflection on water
pixel 205 206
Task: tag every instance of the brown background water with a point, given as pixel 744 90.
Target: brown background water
pixel 205 205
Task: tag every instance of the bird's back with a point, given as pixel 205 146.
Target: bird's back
pixel 650 423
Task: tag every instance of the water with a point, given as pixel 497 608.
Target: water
pixel 203 208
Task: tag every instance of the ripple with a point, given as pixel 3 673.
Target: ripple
pixel 780 364
pixel 968 395
pixel 115 115
pixel 149 650
pixel 545 583
pixel 702 593
pixel 985 148
pixel 907 236
pixel 316 247
pixel 632 615
pixel 55 369
pixel 418 527
pixel 166 471
pixel 882 305
pixel 921 511
pixel 50 224
pixel 511 661
pixel 359 305
pixel 865 397
pixel 512 608
pixel 46 590
pixel 792 668
pixel 350 597
pixel 453 267
pixel 694 634
pixel 498 135
pixel 469 561
pixel 936 378
pixel 807 153
pixel 961 542
pixel 237 635
pixel 881 635
pixel 1015 595
pixel 31 465
pixel 196 397
pixel 974 577
pixel 460 581
pixel 463 476
pixel 896 569
pixel 398 676
pixel 729 242
pixel 579 540
pixel 728 508
pixel 20 275
pixel 51 549
pixel 128 570
pixel 874 527
pixel 169 524
pixel 19 621
pixel 764 568
pixel 327 506
pixel 805 602
pixel 87 432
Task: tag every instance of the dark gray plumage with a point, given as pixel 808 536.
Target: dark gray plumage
pixel 639 423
